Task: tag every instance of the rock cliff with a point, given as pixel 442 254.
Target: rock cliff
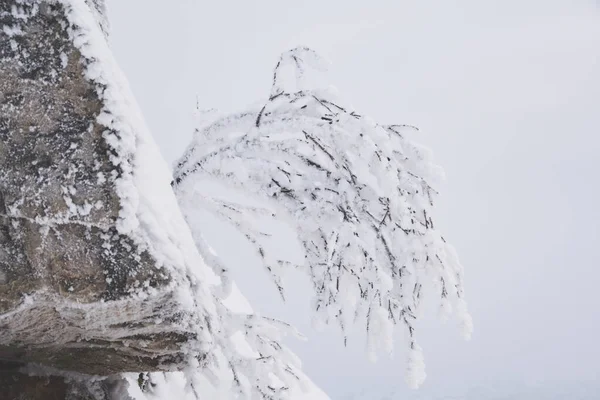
pixel 98 271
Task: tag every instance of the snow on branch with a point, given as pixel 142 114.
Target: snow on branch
pixel 301 59
pixel 359 196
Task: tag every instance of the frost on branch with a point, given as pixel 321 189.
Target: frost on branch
pixel 358 194
pixel 248 359
pixel 247 362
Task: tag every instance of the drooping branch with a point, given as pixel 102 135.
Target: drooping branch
pixel 358 195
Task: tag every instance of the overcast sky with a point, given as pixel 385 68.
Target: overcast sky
pixel 506 93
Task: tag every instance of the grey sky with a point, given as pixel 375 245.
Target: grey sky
pixel 507 94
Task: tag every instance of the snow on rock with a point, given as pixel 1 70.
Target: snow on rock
pixel 103 270
pixel 99 271
pixel 358 194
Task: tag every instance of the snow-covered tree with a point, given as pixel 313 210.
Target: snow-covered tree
pixel 358 194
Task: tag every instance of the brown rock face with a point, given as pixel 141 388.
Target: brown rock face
pixel 16 384
pixel 66 274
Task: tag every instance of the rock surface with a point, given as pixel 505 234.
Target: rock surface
pixel 16 384
pixel 74 289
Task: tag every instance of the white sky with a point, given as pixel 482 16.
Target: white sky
pixel 507 94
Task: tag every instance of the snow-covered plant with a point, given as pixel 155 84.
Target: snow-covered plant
pixel 358 194
pixel 248 355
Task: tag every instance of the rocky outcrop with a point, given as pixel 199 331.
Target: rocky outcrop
pixel 78 290
pixel 16 383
